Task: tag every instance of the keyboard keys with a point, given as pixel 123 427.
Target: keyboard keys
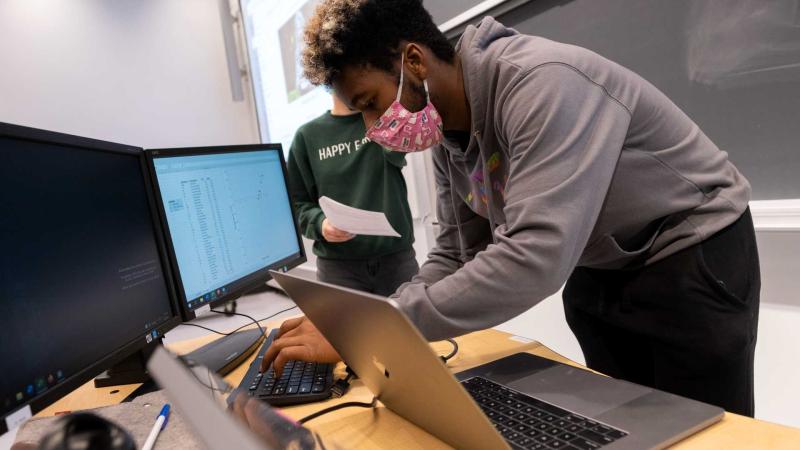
pixel 602 429
pixel 616 434
pixel 595 436
pixel 583 444
pixel 566 436
pixel 532 424
pixel 524 441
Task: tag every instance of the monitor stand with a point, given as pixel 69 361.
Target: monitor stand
pixel 130 370
pixel 226 353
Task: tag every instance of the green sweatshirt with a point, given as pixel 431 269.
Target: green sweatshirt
pixel 330 156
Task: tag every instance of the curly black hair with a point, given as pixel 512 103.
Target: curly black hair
pixel 344 33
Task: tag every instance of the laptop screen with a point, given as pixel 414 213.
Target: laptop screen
pixel 228 215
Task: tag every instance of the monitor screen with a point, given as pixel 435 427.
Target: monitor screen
pixel 82 277
pixel 229 218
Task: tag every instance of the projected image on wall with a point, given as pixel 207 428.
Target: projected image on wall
pixel 291 39
pixel 285 100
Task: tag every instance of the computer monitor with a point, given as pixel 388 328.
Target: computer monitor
pixel 229 219
pixel 83 283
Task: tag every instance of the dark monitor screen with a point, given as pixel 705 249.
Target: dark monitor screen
pixel 229 218
pixel 82 279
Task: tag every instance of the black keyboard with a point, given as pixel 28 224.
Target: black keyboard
pixel 301 382
pixel 529 423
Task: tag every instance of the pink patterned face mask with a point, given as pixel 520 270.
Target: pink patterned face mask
pixel 401 130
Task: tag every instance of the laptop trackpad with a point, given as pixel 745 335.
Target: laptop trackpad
pixel 578 390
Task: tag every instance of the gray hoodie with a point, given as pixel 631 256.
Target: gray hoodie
pixel 573 160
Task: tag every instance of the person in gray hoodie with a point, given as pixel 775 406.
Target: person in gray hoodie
pixel 553 165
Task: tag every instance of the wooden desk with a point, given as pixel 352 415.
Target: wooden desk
pixel 356 428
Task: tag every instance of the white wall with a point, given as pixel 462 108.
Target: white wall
pixel 150 73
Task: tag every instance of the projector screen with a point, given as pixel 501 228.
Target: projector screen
pixel 284 98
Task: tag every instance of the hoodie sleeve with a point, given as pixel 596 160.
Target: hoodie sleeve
pixel 564 134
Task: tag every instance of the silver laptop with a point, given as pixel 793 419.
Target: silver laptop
pixel 520 401
pixel 199 403
pixel 199 396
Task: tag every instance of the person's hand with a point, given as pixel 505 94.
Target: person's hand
pixel 298 339
pixel 333 234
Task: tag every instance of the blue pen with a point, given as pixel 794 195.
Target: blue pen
pixel 161 422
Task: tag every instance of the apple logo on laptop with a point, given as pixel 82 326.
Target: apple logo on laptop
pixel 380 366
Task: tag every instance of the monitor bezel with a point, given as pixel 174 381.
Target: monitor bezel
pixel 254 279
pixel 78 379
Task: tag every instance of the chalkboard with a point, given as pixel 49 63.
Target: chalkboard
pixel 732 65
pixel 444 10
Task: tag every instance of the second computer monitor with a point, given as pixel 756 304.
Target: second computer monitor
pixel 83 279
pixel 229 219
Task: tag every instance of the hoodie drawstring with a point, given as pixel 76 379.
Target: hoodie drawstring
pixel 487 185
pixel 461 244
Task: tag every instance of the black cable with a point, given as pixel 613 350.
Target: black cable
pixel 453 353
pixel 318 438
pixel 260 328
pixel 342 385
pixel 338 407
pixel 243 326
pixel 208 329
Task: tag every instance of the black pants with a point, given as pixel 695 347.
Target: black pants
pixel 381 275
pixel 686 324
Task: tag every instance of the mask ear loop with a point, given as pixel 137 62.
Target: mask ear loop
pixel 400 88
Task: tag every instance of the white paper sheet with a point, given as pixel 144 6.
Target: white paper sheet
pixel 356 221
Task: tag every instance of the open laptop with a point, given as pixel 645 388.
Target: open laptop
pixel 198 395
pixel 520 401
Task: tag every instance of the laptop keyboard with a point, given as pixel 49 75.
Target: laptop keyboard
pixel 529 423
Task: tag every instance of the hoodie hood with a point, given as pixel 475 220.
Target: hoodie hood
pixel 478 62
pixel 480 173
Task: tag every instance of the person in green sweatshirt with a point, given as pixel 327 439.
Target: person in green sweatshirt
pixel 330 156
